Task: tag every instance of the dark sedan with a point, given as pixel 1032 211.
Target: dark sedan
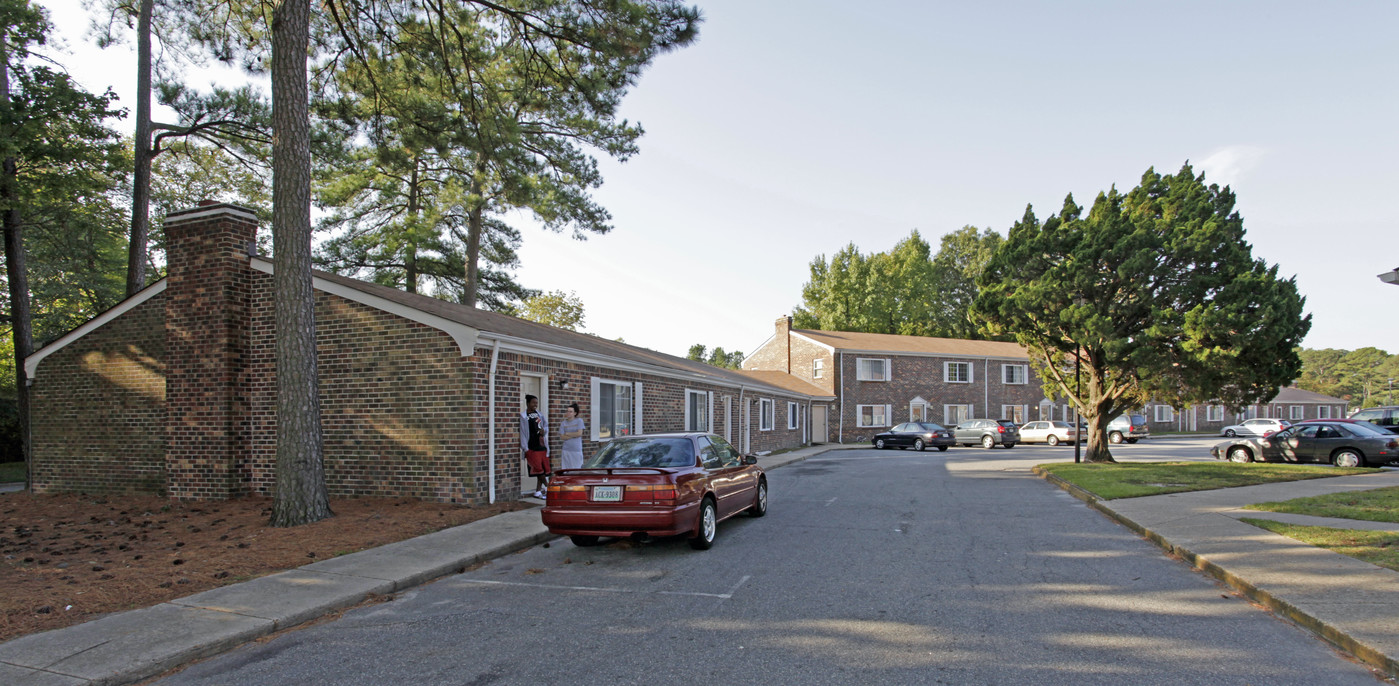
pixel 916 435
pixel 1342 443
pixel 656 485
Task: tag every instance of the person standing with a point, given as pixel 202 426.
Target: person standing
pixel 571 431
pixel 534 440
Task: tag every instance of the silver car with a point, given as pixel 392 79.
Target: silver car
pixel 1340 442
pixel 1255 427
pixel 1052 433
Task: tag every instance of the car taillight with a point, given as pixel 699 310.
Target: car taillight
pixel 1392 444
pixel 559 492
pixel 1000 428
pixel 650 492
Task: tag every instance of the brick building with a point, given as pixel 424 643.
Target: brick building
pixel 173 391
pixel 1291 403
pixel 879 380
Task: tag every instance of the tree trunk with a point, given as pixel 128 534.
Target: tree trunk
pixel 475 219
pixel 141 181
pixel 301 493
pixel 410 258
pixel 17 273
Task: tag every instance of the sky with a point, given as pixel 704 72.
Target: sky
pixel 791 129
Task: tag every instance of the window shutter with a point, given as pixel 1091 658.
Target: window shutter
pixel 636 411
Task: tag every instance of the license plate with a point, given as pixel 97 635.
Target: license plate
pixel 607 494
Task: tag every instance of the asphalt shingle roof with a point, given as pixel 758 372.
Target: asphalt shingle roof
pixel 925 345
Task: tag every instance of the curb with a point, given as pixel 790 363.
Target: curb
pixel 1340 639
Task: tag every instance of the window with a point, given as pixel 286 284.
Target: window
pixel 1297 412
pixel 873 415
pixel 818 367
pixel 793 415
pixel 1015 413
pixel 953 415
pixel 1165 413
pixel 1214 413
pixel 697 411
pixel 1015 374
pixel 1323 411
pixel 765 415
pixel 869 369
pixel 957 372
pixel 612 409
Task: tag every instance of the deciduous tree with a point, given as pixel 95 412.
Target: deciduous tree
pixel 555 308
pixel 1153 294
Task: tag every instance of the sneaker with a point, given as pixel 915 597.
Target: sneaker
pixel 538 494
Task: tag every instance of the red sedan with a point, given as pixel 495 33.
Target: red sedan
pixel 680 484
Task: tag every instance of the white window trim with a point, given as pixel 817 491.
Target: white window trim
pixel 947 414
pixel 1323 411
pixel 1214 413
pixel 818 368
pixel 913 405
pixel 860 368
pixel 1024 374
pixel 947 372
pixel 793 416
pixel 765 414
pixel 1297 412
pixel 690 394
pixel 1168 411
pixel 1024 413
pixel 596 406
pixel 860 416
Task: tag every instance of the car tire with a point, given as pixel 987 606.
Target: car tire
pixel 707 528
pixel 1347 457
pixel 584 541
pixel 1230 433
pixel 760 500
pixel 1052 440
pixel 878 444
pixel 1240 454
pixel 1133 440
pixel 1010 445
pixel 988 442
pixel 918 445
pixel 1114 437
pixel 942 448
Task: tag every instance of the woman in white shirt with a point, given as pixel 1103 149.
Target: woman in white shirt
pixel 571 431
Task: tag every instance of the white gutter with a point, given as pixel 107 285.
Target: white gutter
pixel 490 421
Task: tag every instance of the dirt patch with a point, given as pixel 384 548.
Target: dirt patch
pixel 66 559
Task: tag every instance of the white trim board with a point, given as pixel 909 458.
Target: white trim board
pixel 31 363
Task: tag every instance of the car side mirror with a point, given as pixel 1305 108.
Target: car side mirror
pixel 750 459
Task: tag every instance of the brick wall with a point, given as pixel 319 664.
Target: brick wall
pixel 111 380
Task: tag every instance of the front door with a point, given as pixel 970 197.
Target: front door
pixel 535 386
pixel 818 424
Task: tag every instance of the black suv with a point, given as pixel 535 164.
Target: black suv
pixel 1387 417
pixel 987 432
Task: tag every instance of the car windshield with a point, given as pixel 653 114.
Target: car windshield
pixel 1006 422
pixel 644 452
pixel 929 426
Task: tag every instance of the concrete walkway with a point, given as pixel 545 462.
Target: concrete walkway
pixel 1353 604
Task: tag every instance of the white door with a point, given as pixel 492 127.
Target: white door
pixel 818 424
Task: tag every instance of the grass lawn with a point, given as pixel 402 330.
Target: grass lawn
pixel 11 471
pixel 1133 479
pixel 1378 505
pixel 1376 547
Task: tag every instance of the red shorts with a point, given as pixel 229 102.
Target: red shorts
pixel 538 461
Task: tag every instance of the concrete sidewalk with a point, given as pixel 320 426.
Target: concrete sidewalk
pixel 1353 604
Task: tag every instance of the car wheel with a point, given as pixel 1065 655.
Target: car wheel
pixel 760 500
pixel 708 526
pixel 878 444
pixel 584 541
pixel 1240 454
pixel 1133 440
pixel 987 442
pixel 1346 457
pixel 1114 437
pixel 1009 446
pixel 942 448
pixel 1052 440
pixel 918 445
pixel 1230 433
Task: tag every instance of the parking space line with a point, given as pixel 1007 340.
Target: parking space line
pixel 600 589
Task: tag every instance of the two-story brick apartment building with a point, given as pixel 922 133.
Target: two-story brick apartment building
pixel 173 391
pixel 879 380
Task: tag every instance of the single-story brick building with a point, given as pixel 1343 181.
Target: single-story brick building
pixel 1291 403
pixel 173 391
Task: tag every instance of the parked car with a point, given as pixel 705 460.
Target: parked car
pixel 1255 427
pixel 644 486
pixel 1128 427
pixel 987 432
pixel 1052 433
pixel 916 435
pixel 1342 443
pixel 1387 417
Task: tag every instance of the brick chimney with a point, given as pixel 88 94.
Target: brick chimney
pixel 206 310
pixel 784 342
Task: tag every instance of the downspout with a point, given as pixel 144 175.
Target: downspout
pixel 840 369
pixel 742 415
pixel 986 384
pixel 490 419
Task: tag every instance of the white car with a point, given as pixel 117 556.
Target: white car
pixel 1255 427
pixel 1052 433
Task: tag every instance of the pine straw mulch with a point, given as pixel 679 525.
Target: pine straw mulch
pixel 66 559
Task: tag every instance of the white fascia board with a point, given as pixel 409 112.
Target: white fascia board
pixel 464 336
pixel 813 341
pixel 31 363
pixel 904 353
